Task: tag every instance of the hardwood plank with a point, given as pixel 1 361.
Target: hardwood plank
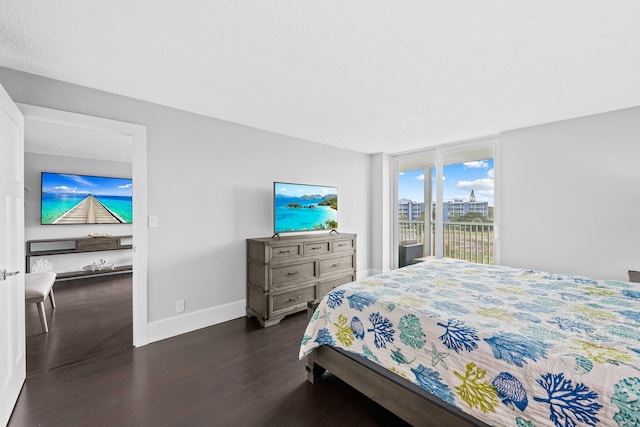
pixel 85 372
pixel 92 319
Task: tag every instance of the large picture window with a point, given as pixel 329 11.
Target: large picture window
pixel 445 203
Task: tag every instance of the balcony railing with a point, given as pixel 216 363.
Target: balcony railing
pixel 411 230
pixel 470 241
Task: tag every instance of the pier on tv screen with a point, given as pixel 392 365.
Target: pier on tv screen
pixel 304 207
pixel 84 199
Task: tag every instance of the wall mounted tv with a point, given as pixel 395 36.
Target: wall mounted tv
pixel 83 199
pixel 304 207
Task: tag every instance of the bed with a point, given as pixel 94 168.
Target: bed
pixel 447 342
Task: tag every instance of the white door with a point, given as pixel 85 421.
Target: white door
pixel 12 332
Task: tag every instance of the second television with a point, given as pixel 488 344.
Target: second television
pixel 84 199
pixel 304 207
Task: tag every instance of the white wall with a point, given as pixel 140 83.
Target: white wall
pixel 210 184
pixel 570 195
pixel 381 213
pixel 34 164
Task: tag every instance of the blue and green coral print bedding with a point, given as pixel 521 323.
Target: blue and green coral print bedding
pixel 511 347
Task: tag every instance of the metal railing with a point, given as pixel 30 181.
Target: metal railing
pixel 411 230
pixel 470 241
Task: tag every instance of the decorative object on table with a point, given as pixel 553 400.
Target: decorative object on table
pixel 42 265
pixel 99 235
pixel 102 265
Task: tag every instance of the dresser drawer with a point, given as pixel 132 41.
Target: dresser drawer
pixel 293 273
pixel 98 244
pixel 317 248
pixel 331 265
pixel 285 252
pixel 288 300
pixel 326 286
pixel 344 245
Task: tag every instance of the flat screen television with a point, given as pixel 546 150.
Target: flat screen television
pixel 304 207
pixel 83 199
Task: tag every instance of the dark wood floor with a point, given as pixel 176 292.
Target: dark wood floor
pixel 93 320
pixel 85 372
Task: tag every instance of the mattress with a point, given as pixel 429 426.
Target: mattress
pixel 510 347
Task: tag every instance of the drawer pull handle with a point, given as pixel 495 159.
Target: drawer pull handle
pixel 291 273
pixel 316 247
pixel 293 299
pixel 336 265
pixel 342 244
pixel 286 252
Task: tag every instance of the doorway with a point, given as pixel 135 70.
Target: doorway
pixel 135 136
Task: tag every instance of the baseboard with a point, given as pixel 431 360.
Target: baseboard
pixel 167 328
pixel 366 273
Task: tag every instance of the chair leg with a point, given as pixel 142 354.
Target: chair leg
pixel 52 299
pixel 43 317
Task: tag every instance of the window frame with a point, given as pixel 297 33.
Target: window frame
pixel 438 157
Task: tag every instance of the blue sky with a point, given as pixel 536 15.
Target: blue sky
pixel 82 184
pixel 459 180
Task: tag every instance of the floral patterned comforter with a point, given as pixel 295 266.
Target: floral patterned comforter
pixel 511 347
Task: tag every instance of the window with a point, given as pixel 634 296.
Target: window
pixel 446 203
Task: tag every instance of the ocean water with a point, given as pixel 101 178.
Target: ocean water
pixel 54 205
pixel 120 205
pixel 297 219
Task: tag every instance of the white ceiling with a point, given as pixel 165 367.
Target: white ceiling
pixel 368 75
pixel 47 137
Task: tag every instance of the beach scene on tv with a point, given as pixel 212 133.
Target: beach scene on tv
pixel 300 207
pixel 82 199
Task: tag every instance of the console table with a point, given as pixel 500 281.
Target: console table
pixel 43 247
pixel 285 273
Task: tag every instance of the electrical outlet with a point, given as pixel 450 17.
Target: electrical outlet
pixel 179 306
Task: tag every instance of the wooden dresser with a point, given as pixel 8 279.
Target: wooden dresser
pixel 284 273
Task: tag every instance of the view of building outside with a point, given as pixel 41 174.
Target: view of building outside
pixel 410 210
pixel 468 192
pixel 463 210
pixel 467 212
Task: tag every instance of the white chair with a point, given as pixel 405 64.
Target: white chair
pixel 37 286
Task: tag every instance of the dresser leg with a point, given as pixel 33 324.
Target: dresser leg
pixel 265 323
pixel 270 322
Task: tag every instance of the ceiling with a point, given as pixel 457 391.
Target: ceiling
pixel 47 137
pixel 366 75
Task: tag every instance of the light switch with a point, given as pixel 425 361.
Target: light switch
pixel 153 221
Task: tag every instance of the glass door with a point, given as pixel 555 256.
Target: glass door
pixel 467 211
pixel 445 204
pixel 414 215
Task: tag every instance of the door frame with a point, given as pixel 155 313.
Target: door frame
pixel 138 134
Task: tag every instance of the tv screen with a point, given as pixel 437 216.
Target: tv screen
pixel 83 199
pixel 304 207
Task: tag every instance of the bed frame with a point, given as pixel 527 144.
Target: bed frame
pixel 398 395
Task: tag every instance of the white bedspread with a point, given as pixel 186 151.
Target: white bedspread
pixel 511 347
